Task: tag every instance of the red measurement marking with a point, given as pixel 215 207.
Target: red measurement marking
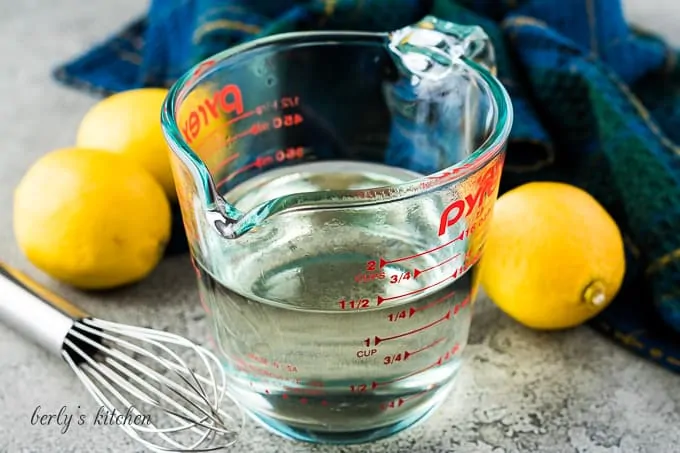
pixel 285 103
pixel 366 278
pixel 266 391
pixel 408 354
pixel 324 403
pixel 376 384
pixel 290 120
pixel 439 362
pixel 401 401
pixel 412 311
pixel 259 162
pixel 257 358
pixel 381 299
pixel 384 262
pixel 364 353
pixel 304 391
pixel 227 161
pixel 397 278
pixel 242 116
pixel 354 304
pixel 359 388
pixel 461 305
pixel 303 400
pixel 284 396
pixel 460 271
pixel 417 272
pixel 262 372
pixel 403 356
pixel 377 340
pixel 283 155
pixel 263 361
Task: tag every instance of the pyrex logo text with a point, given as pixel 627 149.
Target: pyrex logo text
pixel 228 100
pixel 486 187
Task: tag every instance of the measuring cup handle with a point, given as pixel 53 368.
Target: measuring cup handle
pixel 34 311
pixel 442 43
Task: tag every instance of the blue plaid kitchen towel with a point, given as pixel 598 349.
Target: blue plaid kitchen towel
pixel 597 104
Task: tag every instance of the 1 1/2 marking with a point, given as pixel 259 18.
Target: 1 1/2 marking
pixel 353 304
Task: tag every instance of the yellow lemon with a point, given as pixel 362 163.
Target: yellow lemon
pixel 91 218
pixel 129 123
pixel 553 257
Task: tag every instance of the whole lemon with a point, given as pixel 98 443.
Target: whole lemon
pixel 129 123
pixel 553 257
pixel 91 218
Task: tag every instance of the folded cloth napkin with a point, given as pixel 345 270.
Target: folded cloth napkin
pixel 597 104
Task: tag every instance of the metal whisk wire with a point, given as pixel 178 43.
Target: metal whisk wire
pixel 120 364
pixel 117 368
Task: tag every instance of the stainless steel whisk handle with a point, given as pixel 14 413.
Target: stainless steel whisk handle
pixel 34 311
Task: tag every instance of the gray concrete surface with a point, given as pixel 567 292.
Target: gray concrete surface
pixel 520 391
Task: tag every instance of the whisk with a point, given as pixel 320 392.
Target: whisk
pixel 141 374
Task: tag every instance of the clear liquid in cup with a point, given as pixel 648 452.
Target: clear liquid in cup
pixel 343 327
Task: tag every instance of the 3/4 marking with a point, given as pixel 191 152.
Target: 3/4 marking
pixel 417 272
pixel 403 356
pixel 382 299
pixel 397 278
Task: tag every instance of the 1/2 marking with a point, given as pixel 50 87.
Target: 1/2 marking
pixel 359 388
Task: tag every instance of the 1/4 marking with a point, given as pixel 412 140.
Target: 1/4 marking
pixel 408 313
pixel 376 340
pixel 401 401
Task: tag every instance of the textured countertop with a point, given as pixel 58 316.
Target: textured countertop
pixel 520 391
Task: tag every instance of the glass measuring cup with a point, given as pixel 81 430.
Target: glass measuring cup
pixel 335 188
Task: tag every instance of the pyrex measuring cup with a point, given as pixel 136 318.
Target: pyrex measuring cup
pixel 335 188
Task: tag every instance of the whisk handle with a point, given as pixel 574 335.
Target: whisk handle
pixel 34 311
